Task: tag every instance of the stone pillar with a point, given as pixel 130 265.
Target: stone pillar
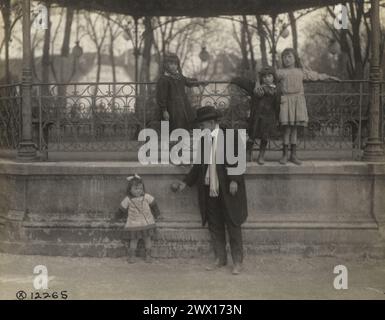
pixel 373 150
pixel 27 149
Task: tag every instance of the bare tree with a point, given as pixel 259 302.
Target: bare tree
pixel 293 27
pixel 11 13
pixel 130 27
pixel 95 23
pixel 249 36
pixel 148 36
pixel 45 60
pixel 262 40
pixel 239 35
pixel 275 27
pixel 354 41
pixel 114 33
pixel 170 33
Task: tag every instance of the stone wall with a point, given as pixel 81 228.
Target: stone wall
pixel 68 208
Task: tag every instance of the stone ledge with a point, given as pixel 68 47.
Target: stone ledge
pixel 197 225
pixel 189 250
pixel 8 167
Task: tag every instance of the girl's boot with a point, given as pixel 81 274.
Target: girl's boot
pixel 293 156
pixel 261 156
pixel 284 154
pixel 148 255
pixel 249 148
pixel 248 155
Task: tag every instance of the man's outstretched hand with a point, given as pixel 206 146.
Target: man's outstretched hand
pixel 178 186
pixel 166 116
pixel 233 188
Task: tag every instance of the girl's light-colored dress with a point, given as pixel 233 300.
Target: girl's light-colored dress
pixel 293 111
pixel 140 221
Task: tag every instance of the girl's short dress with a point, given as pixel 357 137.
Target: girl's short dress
pixel 140 221
pixel 293 111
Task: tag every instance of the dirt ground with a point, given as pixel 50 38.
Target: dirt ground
pixel 263 277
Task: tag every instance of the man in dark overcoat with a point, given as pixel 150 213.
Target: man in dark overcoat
pixel 222 196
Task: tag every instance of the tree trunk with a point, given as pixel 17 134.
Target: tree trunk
pixel 345 56
pixel 251 48
pixel 113 68
pixel 112 60
pixel 65 49
pixel 262 41
pixel 382 57
pixel 95 108
pixel 294 33
pixel 6 13
pixel 99 66
pixel 45 60
pixel 147 46
pixel 273 41
pixel 356 20
pixel 243 45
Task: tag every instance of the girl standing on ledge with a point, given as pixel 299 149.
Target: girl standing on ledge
pixel 264 110
pixel 293 111
pixel 171 96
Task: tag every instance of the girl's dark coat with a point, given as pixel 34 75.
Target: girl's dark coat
pixel 264 111
pixel 171 96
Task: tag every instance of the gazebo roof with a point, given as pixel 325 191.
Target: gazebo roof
pixel 193 7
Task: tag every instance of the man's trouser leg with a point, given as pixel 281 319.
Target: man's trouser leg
pixel 235 239
pixel 216 224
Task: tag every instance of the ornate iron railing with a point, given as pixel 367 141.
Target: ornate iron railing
pixel 10 116
pixel 109 116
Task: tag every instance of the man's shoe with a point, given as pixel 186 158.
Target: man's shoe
pixel 148 255
pixel 261 159
pixel 216 265
pixel 237 269
pixel 261 156
pixel 131 257
pixel 248 156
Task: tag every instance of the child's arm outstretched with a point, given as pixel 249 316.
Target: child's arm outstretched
pixel 311 75
pixel 244 84
pixel 121 212
pixel 155 210
pixel 193 82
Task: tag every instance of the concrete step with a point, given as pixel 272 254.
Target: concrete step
pixel 190 239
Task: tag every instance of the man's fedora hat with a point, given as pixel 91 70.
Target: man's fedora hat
pixel 207 113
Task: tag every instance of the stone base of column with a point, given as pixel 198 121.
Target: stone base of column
pixel 374 152
pixel 27 151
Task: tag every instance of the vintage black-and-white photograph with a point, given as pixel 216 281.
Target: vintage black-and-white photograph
pixel 192 150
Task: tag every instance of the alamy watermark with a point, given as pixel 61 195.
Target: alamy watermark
pixel 341 280
pixel 40 281
pixel 341 19
pixel 40 17
pixel 40 284
pixel 230 147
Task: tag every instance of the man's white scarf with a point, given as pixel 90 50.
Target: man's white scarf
pixel 211 177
